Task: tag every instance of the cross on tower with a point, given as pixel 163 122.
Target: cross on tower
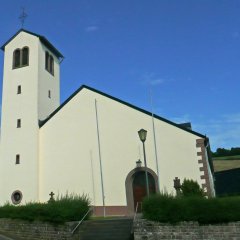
pixel 23 16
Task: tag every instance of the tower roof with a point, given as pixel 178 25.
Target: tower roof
pixel 41 38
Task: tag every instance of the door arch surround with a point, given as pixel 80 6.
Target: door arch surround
pixel 129 186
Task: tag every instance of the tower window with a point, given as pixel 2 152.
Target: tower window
pixel 25 56
pixel 19 89
pixel 49 93
pixel 49 63
pixel 18 123
pixel 46 60
pixel 17 159
pixel 16 197
pixel 16 58
pixel 21 57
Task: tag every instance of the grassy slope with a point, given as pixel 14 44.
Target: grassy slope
pixel 236 157
pixel 226 163
pixel 221 165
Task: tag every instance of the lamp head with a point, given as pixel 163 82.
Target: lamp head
pixel 142 133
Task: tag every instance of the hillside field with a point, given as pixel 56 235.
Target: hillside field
pixel 226 163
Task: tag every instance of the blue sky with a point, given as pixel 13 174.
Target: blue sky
pixel 187 52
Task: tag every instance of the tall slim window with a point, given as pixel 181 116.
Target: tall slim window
pixel 21 57
pixel 25 57
pixel 49 93
pixel 46 60
pixel 19 123
pixel 17 159
pixel 19 89
pixel 16 58
pixel 49 63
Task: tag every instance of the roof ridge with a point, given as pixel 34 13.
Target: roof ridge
pixel 122 102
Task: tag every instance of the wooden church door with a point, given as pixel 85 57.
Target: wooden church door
pixel 139 187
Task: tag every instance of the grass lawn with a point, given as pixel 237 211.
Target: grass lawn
pixel 221 165
pixel 226 163
pixel 236 157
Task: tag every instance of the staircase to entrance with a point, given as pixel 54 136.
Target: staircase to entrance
pixel 106 229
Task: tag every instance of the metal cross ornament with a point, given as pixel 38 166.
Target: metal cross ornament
pixel 23 16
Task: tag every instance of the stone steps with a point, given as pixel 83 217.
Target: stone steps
pixel 109 229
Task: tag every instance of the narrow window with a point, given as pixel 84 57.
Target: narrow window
pixel 49 63
pixel 16 58
pixel 25 56
pixel 19 89
pixel 49 93
pixel 18 123
pixel 46 60
pixel 17 159
pixel 51 70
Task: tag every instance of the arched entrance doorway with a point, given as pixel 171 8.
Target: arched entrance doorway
pixel 140 189
pixel 136 186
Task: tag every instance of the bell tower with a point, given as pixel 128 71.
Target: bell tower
pixel 31 92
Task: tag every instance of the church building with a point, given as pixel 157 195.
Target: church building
pixel 90 143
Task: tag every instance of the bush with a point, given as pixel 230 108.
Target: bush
pixel 191 188
pixel 165 208
pixel 63 209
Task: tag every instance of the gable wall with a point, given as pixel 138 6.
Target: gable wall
pixel 68 146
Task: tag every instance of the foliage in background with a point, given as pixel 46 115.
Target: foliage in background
pixel 191 188
pixel 167 208
pixel 63 209
pixel 222 152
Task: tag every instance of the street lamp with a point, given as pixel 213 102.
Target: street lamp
pixel 142 133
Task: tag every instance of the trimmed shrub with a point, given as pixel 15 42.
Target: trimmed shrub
pixel 166 208
pixel 63 209
pixel 191 188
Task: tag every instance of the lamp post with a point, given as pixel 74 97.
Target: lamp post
pixel 142 133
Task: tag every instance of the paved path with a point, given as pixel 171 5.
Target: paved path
pixel 5 238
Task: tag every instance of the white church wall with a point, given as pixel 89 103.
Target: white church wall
pixel 47 82
pixel 68 141
pixel 66 146
pixel 63 156
pixel 24 140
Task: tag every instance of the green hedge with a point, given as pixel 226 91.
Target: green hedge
pixel 165 208
pixel 63 209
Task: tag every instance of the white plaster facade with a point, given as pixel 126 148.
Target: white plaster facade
pixel 59 149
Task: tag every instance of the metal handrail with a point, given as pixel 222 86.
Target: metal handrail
pixel 135 214
pixel 73 231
